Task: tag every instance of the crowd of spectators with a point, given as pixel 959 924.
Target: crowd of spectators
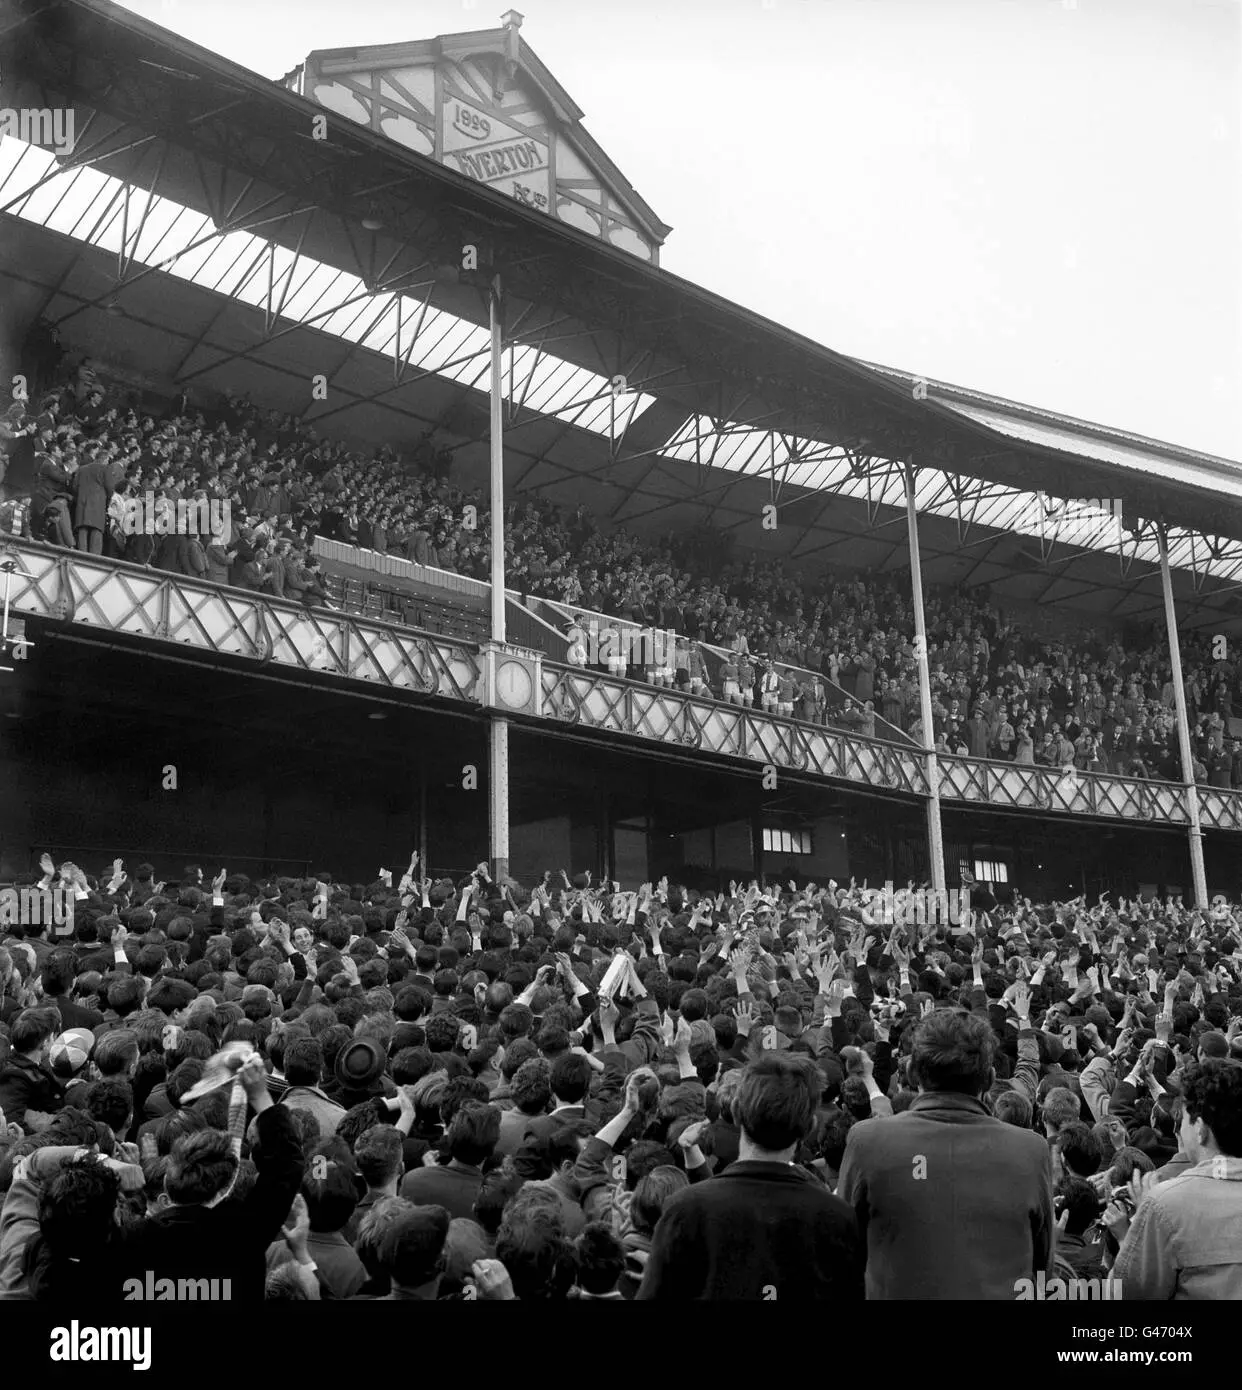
pixel 303 1089
pixel 1082 700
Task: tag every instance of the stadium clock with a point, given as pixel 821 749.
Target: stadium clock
pixel 514 684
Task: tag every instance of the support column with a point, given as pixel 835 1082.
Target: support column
pixel 935 836
pixel 497 500
pixel 498 796
pixel 423 870
pixel 498 729
pixel 603 835
pixel 1197 872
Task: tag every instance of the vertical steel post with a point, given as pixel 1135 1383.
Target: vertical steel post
pixel 498 726
pixel 1197 871
pixel 935 835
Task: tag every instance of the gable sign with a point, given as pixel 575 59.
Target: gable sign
pixel 484 147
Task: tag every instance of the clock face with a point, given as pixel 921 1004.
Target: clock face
pixel 513 684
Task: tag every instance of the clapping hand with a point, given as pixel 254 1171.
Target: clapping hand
pixel 608 1011
pixel 633 1085
pixel 690 1136
pixel 297 1227
pixel 491 1279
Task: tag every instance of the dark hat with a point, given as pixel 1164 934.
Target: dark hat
pixel 360 1063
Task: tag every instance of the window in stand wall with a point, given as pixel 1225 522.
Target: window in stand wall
pixel 986 872
pixel 787 842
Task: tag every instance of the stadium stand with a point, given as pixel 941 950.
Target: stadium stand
pixel 842 645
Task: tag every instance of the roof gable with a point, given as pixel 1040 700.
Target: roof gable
pixel 485 106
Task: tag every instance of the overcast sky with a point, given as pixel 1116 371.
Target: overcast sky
pixel 1034 198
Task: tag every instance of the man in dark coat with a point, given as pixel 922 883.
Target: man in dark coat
pixel 199 1235
pixel 952 1203
pixel 765 1228
pixel 93 488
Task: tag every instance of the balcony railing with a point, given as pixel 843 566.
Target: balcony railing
pixel 94 592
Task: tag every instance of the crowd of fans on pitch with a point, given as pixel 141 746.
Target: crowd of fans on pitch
pixel 303 1089
pixel 999 691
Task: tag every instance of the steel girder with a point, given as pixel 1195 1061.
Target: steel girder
pixel 167 608
pixel 171 609
pixel 588 701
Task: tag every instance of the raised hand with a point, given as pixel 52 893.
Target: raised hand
pixel 1022 1000
pixel 690 1136
pixel 746 1016
pixel 633 1083
pixel 297 1223
pixel 492 1280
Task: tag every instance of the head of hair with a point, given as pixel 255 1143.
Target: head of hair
pixel 1060 1108
pixel 1079 1198
pixel 331 1191
pixel 77 1211
pixel 532 1246
pixel 116 1052
pixel 1127 1162
pixel 1213 1095
pixel 378 1154
pixel 200 1166
pixel 411 1251
pixel 777 1100
pixel 1079 1149
pixel 652 1194
pixel 494 1194
pixel 953 1052
pixel 303 1059
pixel 112 1102
pixel 601 1258
pixel 1013 1108
pixel 570 1078
pixel 473 1133
pixel 33 1027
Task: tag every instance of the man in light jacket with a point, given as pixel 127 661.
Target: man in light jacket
pixel 1185 1240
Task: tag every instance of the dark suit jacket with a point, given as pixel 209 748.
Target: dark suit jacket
pixel 25 1086
pixel 545 1126
pixel 952 1203
pixel 757 1227
pixel 453 1187
pixel 74 1015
